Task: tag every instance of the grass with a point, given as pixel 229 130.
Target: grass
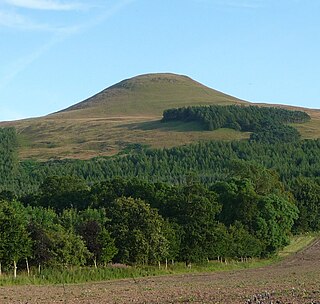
pixel 148 95
pixel 73 275
pixel 124 114
pixel 129 113
pixel 88 274
pixel 298 243
pixel 88 138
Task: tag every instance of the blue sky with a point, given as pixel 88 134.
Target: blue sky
pixel 55 53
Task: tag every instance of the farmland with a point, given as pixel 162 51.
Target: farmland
pixel 296 279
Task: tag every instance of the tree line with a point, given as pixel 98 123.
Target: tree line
pixel 268 124
pixel 8 157
pixel 133 221
pixel 241 199
pixel 211 161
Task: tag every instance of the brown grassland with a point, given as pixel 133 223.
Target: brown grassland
pixel 129 113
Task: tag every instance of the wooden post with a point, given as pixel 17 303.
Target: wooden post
pixel 14 269
pixel 28 269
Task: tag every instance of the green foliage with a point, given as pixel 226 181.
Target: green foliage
pixel 275 133
pixel 72 275
pixel 137 230
pixel 8 159
pixel 233 219
pixel 15 242
pixel 98 241
pixel 60 192
pixel 70 249
pixel 42 246
pixel 245 117
pixel 263 218
pixel 274 222
pixel 307 194
pixel 84 212
pixel 265 180
pixel 211 161
pixel 194 208
pixel 242 243
pixel 239 201
pixel 266 123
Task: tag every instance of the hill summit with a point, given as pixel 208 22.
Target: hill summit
pixel 148 94
pixel 127 114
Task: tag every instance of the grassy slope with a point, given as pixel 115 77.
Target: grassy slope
pixel 147 95
pixel 129 112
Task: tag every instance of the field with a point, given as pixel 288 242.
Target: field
pixel 295 280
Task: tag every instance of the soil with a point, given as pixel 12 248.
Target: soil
pixel 295 280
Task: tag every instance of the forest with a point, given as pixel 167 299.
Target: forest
pixel 130 221
pixel 8 156
pixel 210 161
pixel 267 124
pixel 211 200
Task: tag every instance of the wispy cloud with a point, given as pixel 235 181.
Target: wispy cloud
pixel 46 5
pixel 21 22
pixel 12 20
pixel 13 14
pixel 59 35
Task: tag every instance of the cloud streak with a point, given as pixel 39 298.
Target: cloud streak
pixel 14 15
pixel 45 5
pixel 20 22
pixel 60 34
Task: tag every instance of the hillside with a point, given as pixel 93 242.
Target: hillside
pixel 129 113
pixel 148 94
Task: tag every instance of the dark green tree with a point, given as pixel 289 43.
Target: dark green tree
pixel 138 231
pixel 274 222
pixel 194 208
pixel 307 194
pixel 64 192
pixel 98 241
pixel 15 241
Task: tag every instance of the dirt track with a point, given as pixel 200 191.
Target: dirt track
pixel 295 280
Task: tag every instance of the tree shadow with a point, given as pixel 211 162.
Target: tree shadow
pixel 177 126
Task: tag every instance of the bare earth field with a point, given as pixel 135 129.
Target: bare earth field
pixel 295 280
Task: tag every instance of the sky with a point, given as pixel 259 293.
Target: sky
pixel 56 53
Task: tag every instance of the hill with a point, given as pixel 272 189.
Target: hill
pixel 129 113
pixel 148 94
